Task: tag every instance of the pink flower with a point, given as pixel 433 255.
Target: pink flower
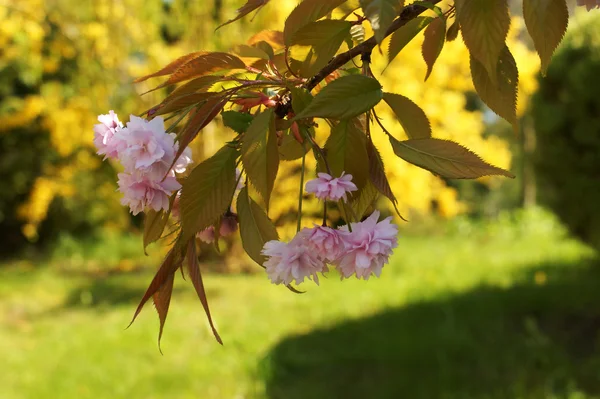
pixel 184 159
pixel 293 261
pixel 367 248
pixel 229 225
pixel 104 133
pixel 141 192
pixel 589 4
pixel 326 241
pixel 144 146
pixel 326 187
pixel 207 235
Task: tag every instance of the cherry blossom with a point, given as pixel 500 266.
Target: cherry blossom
pixel 326 187
pixel 104 133
pixel 292 261
pixel 325 240
pixel 141 192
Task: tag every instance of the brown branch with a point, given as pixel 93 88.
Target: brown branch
pixel 408 13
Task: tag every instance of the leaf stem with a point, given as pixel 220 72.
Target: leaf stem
pixel 301 191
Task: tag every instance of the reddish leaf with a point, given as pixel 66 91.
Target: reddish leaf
pixel 452 32
pixel 435 35
pixel 273 37
pixel 172 261
pixel 244 10
pixel 172 67
pixel 155 223
pixel 196 277
pixel 162 300
pixel 203 65
pixel 175 104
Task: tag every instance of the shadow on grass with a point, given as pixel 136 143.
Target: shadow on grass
pixel 533 340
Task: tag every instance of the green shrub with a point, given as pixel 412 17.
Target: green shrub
pixel 566 111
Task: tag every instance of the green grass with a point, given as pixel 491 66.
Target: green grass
pixel 487 311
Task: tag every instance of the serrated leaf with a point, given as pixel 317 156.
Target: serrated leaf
pixel 290 149
pixel 378 177
pixel 325 38
pixel 344 98
pixel 452 32
pixel 502 96
pixel 266 48
pixel 260 155
pixel 168 267
pixel 445 158
pixel 300 98
pixel 207 191
pixel 175 104
pixel 162 300
pixel 196 278
pixel 244 10
pixel 484 25
pixel 255 227
pixel 202 84
pixel 204 64
pixel 171 67
pixel 244 50
pixel 198 119
pixel 237 121
pixel 306 12
pixel 273 37
pixel 410 115
pixel 346 152
pixel 546 21
pixel 433 43
pixel 381 14
pixel 401 37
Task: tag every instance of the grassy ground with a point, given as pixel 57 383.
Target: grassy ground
pixel 502 310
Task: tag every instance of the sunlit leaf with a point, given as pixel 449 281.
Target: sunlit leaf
pixel 207 192
pixel 290 149
pixel 244 50
pixel 175 104
pixel 255 227
pixel 502 96
pixel 445 158
pixel 357 33
pixel 381 14
pixel 237 121
pixel 260 155
pixel 246 9
pixel 204 64
pixel 346 152
pixel 344 98
pixel 377 175
pixel 546 21
pixel 325 38
pixel 484 25
pixel 361 203
pixel 171 67
pixel 300 98
pixel 196 278
pixel 410 115
pixel 433 43
pixel 273 37
pixel 401 37
pixel 306 12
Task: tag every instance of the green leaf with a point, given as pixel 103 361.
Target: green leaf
pixel 255 227
pixel 546 21
pixel 445 158
pixel 325 38
pixel 435 36
pixel 346 152
pixel 244 10
pixel 361 203
pixel 357 33
pixel 381 14
pixel 502 96
pixel 300 98
pixel 378 177
pixel 405 34
pixel 306 12
pixel 260 155
pixel 484 25
pixel 207 191
pixel 290 149
pixel 244 50
pixel 237 121
pixel 452 32
pixel 410 115
pixel 155 223
pixel 196 278
pixel 344 98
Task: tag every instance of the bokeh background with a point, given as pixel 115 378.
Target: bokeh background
pixel 492 293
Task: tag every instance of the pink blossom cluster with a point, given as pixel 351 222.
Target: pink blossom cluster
pixel 360 250
pixel 589 4
pixel 147 153
pixel 326 187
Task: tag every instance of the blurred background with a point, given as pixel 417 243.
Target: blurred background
pixel 492 292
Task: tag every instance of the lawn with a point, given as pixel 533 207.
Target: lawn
pixel 508 309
